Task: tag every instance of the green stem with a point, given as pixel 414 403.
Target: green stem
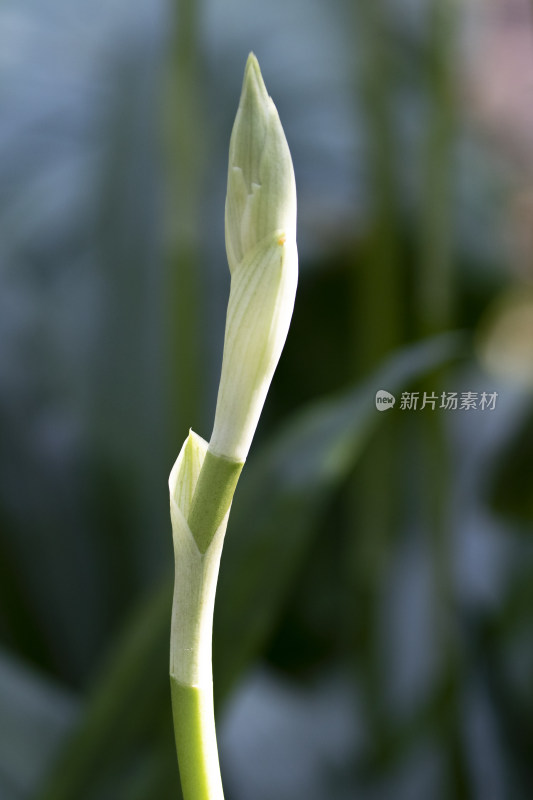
pixel 436 313
pixel 378 278
pixel 185 158
pixel 435 280
pixel 380 328
pixel 198 546
pixel 212 497
pixel 196 744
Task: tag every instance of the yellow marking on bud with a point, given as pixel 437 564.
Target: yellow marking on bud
pixel 282 239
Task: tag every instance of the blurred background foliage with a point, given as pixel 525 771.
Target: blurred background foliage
pixel 374 622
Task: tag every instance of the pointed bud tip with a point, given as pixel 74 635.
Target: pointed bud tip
pixel 252 61
pixel 253 79
pixel 252 67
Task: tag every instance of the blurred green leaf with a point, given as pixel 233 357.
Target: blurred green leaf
pixel 283 491
pixel 130 695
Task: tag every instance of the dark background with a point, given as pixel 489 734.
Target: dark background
pixel 373 630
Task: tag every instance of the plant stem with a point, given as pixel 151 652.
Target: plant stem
pixel 198 544
pixel 436 241
pixel 436 314
pixel 378 279
pixel 212 497
pixel 194 728
pixel 378 291
pixel 263 260
pixel 185 161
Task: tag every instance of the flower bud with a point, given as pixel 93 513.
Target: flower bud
pixel 263 261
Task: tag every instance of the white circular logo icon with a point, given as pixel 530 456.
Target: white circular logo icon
pixel 384 400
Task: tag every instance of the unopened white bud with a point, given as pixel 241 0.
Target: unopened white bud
pixel 263 260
